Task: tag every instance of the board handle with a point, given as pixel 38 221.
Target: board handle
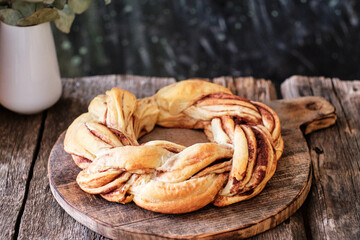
pixel 309 113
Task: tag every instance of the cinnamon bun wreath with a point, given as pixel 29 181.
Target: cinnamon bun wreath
pixel 161 176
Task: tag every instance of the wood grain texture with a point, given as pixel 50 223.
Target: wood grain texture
pixel 19 136
pixel 262 212
pixel 333 208
pixel 248 87
pixel 43 218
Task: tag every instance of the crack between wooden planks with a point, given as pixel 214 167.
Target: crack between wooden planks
pixel 316 187
pixel 341 106
pixel 311 89
pixel 321 190
pixel 305 215
pixel 348 127
pixel 30 175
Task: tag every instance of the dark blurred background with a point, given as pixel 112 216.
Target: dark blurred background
pixel 203 38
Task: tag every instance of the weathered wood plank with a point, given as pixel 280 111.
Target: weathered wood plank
pixel 248 87
pixel 19 136
pixel 333 209
pixel 264 91
pixel 293 228
pixel 43 218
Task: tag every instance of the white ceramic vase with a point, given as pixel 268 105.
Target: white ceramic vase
pixel 29 71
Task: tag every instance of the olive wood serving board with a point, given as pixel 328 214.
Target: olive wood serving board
pixel 282 196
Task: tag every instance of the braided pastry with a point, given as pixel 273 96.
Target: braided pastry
pixel 165 177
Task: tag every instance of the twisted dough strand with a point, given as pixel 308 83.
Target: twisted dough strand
pixel 166 177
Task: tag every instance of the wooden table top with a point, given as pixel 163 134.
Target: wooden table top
pixel 332 210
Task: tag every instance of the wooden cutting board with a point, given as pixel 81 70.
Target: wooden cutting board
pixel 283 195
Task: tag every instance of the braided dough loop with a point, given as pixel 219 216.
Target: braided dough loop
pixel 165 177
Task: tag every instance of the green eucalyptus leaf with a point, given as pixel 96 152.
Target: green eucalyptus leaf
pixel 79 6
pixel 59 4
pixel 107 2
pixel 66 19
pixel 10 16
pixel 25 8
pixel 40 16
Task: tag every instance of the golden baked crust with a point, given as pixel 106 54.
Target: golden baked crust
pixel 165 177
